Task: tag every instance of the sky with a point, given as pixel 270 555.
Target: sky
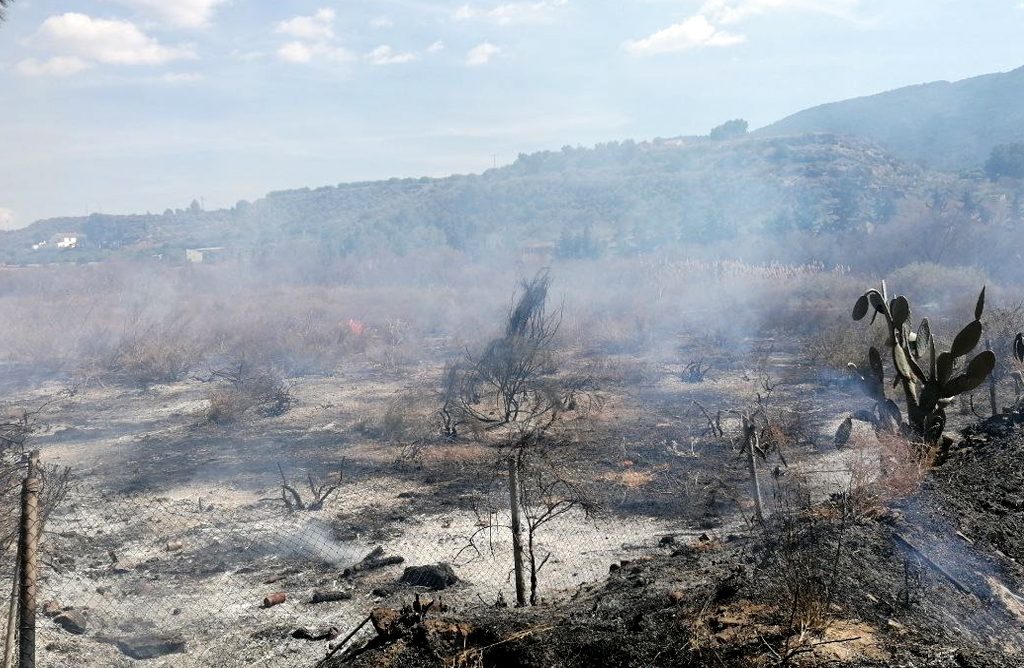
pixel 128 106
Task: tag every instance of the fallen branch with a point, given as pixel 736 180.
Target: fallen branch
pixel 338 646
pixel 372 561
pixel 963 589
pixel 330 596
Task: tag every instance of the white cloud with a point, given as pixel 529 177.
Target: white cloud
pixel 724 12
pixel 481 54
pixel 7 219
pixel 58 66
pixel 435 47
pixel 178 13
pixel 314 39
pixel 543 11
pixel 183 77
pixel 692 33
pixel 385 55
pixel 301 53
pixel 381 22
pixel 705 28
pixel 295 52
pixel 319 26
pixel 109 41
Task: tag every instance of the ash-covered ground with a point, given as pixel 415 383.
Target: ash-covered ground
pixel 934 579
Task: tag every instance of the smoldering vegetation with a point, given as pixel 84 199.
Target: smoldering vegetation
pixel 294 417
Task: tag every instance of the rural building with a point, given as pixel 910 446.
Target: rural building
pixel 201 255
pixel 65 239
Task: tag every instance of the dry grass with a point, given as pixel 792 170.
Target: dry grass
pixel 884 468
pixel 630 478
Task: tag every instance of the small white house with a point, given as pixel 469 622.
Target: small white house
pixel 65 240
pixel 201 255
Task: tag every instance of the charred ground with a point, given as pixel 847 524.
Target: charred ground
pixel 929 581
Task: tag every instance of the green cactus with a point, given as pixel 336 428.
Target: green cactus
pixel 930 380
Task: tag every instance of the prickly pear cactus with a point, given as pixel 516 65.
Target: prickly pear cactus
pixel 931 380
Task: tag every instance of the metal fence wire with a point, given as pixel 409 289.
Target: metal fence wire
pixel 228 582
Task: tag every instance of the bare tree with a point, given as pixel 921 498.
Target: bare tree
pixel 545 494
pixel 515 395
pixel 3 6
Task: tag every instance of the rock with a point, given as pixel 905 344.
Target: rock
pixel 150 646
pixel 436 576
pixel 383 620
pixel 71 621
pixel 382 592
pixel 667 540
pixel 51 608
pixel 174 545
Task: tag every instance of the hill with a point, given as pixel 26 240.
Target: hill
pixel 616 198
pixel 941 125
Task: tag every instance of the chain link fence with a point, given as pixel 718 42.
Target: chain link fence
pixel 236 580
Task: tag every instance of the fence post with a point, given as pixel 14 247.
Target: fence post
pixel 517 530
pixel 750 445
pixel 28 567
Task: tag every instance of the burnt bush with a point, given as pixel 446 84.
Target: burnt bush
pixel 246 390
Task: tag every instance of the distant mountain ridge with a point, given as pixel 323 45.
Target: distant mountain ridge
pixel 941 125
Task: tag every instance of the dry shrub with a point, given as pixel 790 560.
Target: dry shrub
pixel 804 549
pixel 155 359
pixel 884 468
pixel 409 418
pixel 620 370
pixel 839 343
pixel 934 284
pixel 620 333
pixel 244 391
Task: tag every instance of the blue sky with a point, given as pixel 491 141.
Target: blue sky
pixel 133 105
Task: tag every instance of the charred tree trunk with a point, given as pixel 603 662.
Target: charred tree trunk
pixel 517 529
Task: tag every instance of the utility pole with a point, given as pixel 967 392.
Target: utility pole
pixel 494 157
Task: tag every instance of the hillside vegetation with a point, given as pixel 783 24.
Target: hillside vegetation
pixel 941 125
pixel 617 198
pixel 854 183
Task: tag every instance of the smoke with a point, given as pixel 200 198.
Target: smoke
pixel 314 540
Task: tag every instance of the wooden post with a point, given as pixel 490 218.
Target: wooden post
pixel 517 530
pixel 28 567
pixel 750 437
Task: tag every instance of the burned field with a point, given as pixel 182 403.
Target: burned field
pixel 916 585
pixel 682 497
